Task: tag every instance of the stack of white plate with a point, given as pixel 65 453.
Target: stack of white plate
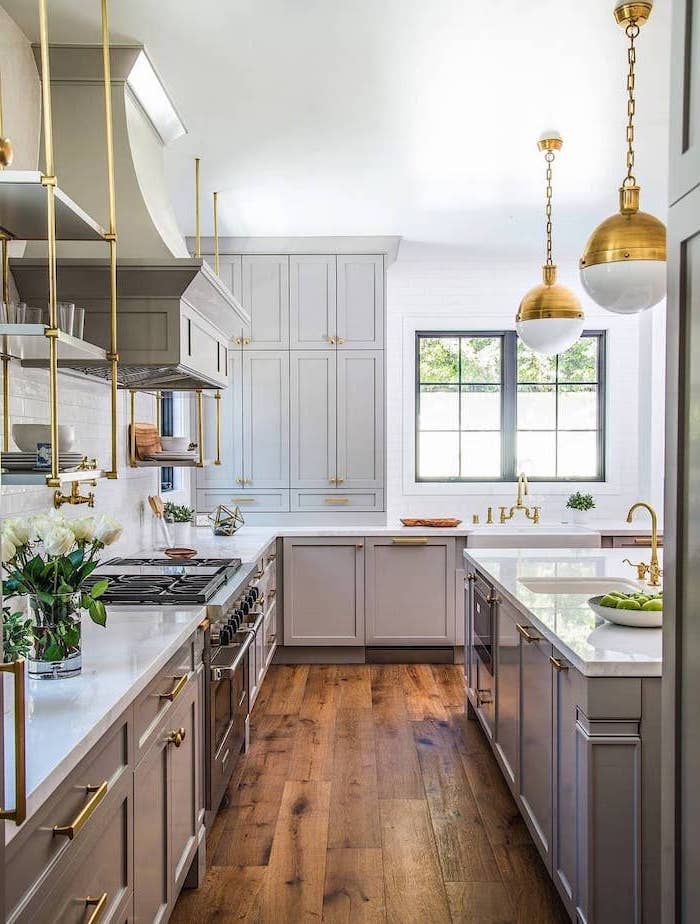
pixel 167 458
pixel 26 461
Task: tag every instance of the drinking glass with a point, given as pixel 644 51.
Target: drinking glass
pixel 79 323
pixel 66 316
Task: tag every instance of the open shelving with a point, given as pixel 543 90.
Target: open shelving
pixel 24 210
pixel 30 344
pixel 200 461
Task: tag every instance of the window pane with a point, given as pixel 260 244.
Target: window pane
pixel 578 457
pixel 438 455
pixel 439 359
pixel 481 359
pixel 580 362
pixel 537 407
pixel 536 454
pixel 532 367
pixel 481 407
pixel 578 407
pixel 481 455
pixel 439 407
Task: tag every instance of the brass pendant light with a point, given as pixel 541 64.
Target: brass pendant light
pixel 550 317
pixel 623 267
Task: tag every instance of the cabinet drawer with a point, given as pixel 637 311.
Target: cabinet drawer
pixel 37 856
pixel 101 871
pixel 248 501
pixel 359 501
pixel 156 702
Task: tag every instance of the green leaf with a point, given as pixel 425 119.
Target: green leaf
pixel 99 588
pixel 64 588
pixel 98 613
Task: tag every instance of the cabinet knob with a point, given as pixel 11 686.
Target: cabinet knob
pixel 177 737
pixel 331 340
pixel 340 340
pixel 360 545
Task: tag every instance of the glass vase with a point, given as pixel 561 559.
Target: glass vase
pixel 57 639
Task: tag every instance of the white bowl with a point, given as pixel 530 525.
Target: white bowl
pixel 28 435
pixel 639 619
pixel 175 443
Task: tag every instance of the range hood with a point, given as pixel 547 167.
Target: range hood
pixel 175 316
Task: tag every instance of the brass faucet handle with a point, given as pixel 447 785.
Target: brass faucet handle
pixel 503 516
pixel 642 568
pixel 533 515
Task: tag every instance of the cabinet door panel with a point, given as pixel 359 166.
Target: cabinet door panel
pixel 152 881
pixel 184 784
pixel 313 411
pixel 231 468
pixel 360 323
pixel 360 400
pixel 508 691
pixel 324 592
pixel 536 741
pixel 685 99
pixel 312 297
pixel 266 299
pixel 410 592
pixel 266 419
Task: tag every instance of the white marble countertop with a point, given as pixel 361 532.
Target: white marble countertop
pixel 65 718
pixel 595 647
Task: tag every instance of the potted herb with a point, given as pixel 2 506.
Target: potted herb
pixel 179 518
pixel 580 504
pixel 48 559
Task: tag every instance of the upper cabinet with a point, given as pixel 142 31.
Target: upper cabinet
pixel 312 302
pixel 265 295
pixel 360 298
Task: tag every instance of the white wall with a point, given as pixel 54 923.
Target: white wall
pixel 444 289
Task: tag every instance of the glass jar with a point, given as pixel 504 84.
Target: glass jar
pixel 57 639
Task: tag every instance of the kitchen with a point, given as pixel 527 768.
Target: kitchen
pixel 341 597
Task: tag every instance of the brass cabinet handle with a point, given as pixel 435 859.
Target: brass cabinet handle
pixel 471 577
pixel 483 697
pixel 360 545
pixel 336 500
pixel 331 340
pixel 332 481
pixel 271 594
pixel 340 339
pixel 405 540
pixel 340 481
pixel 204 624
pixel 243 500
pixel 558 664
pixel 19 812
pixel 176 690
pixel 70 831
pixel 646 540
pixel 526 635
pixel 272 638
pixel 177 736
pixel 99 905
pixel 240 481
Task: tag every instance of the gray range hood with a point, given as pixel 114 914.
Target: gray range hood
pixel 175 316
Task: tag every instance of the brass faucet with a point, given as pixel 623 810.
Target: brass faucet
pixel 523 491
pixel 652 569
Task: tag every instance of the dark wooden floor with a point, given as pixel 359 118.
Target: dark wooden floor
pixel 367 796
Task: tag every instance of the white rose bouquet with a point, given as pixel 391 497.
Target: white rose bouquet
pixel 49 558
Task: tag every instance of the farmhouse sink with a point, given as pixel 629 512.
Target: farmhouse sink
pixel 579 585
pixel 533 536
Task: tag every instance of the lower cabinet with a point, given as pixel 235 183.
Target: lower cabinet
pixel 508 698
pixel 324 591
pixel 409 591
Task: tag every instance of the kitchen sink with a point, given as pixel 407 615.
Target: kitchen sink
pixel 578 585
pixel 530 536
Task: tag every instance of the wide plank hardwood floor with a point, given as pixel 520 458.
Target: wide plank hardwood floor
pixel 366 797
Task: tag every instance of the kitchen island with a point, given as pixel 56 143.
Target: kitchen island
pixel 570 705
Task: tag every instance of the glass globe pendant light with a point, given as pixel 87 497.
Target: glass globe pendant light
pixel 623 267
pixel 550 317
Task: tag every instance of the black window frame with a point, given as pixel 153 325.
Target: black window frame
pixel 167 413
pixel 509 408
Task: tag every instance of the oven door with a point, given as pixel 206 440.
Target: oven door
pixel 228 715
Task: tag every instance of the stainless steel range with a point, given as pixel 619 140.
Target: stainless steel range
pixel 164 581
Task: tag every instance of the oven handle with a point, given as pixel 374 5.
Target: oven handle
pixel 219 671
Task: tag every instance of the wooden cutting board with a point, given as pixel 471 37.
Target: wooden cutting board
pixel 147 440
pixel 434 522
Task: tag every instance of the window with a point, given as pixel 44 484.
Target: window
pixel 487 408
pixel 167 474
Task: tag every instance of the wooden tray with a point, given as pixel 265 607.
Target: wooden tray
pixel 146 439
pixel 435 522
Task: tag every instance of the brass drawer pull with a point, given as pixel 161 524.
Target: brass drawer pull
pixel 337 500
pixel 272 638
pixel 526 635
pixel 99 904
pixel 646 540
pixel 483 697
pixel 271 594
pixel 331 340
pixel 176 690
pixel 70 831
pixel 243 500
pixel 405 540
pixel 177 737
pixel 558 664
pixel 19 812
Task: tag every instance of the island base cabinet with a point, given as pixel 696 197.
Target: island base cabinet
pixel 508 695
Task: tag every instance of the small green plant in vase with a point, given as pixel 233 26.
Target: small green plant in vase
pixel 180 518
pixel 580 504
pixel 48 561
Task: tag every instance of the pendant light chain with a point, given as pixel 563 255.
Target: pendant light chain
pixel 549 157
pixel 632 31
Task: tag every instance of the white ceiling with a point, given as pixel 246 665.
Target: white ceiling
pixel 396 116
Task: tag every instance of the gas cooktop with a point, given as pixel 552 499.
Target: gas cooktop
pixel 161 581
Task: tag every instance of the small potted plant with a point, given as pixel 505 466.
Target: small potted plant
pixel 179 518
pixel 580 504
pixel 47 560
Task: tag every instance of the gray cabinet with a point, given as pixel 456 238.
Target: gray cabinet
pixel 409 591
pixel 312 302
pixel 265 419
pixel 360 312
pixel 360 419
pixel 324 591
pixel 535 755
pixel 152 884
pixel 507 737
pixel 265 296
pixel 313 414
